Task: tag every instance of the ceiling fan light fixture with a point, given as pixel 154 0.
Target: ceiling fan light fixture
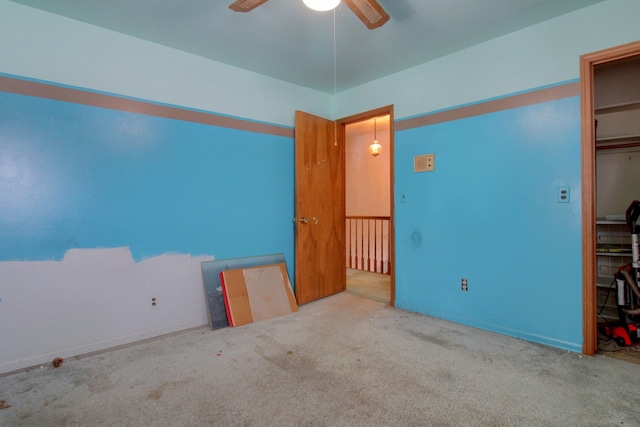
pixel 368 11
pixel 321 5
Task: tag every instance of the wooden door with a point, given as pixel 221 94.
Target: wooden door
pixel 320 208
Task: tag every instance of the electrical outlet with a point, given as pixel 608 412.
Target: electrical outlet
pixel 465 284
pixel 564 195
pixel 154 302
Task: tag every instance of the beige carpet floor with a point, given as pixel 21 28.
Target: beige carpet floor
pixel 340 361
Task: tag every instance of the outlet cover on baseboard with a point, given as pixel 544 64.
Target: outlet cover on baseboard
pixel 424 163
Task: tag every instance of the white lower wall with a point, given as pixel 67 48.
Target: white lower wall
pixel 92 300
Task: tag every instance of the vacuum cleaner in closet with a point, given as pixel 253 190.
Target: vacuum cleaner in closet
pixel 626 332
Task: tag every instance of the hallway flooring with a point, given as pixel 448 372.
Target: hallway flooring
pixel 369 285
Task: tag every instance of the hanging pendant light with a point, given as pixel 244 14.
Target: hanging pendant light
pixel 321 5
pixel 375 148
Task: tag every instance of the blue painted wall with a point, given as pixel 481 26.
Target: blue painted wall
pixel 74 176
pixel 490 213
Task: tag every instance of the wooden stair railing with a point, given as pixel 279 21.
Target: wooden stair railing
pixel 367 243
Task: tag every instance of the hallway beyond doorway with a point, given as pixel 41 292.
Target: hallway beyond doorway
pixel 369 285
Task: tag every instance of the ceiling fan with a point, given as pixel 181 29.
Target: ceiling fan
pixel 369 11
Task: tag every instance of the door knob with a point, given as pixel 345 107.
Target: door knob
pixel 304 220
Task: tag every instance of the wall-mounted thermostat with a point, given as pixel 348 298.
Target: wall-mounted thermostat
pixel 424 163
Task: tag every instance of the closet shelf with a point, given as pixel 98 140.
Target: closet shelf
pixel 615 254
pixel 625 141
pixel 618 138
pixel 615 108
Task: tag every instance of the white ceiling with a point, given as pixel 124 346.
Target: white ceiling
pixel 285 40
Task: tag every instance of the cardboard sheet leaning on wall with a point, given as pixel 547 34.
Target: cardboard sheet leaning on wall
pixel 257 293
pixel 213 288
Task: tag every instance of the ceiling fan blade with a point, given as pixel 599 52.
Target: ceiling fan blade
pixel 245 5
pixel 369 12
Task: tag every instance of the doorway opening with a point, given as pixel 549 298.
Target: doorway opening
pixel 598 219
pixel 368 141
